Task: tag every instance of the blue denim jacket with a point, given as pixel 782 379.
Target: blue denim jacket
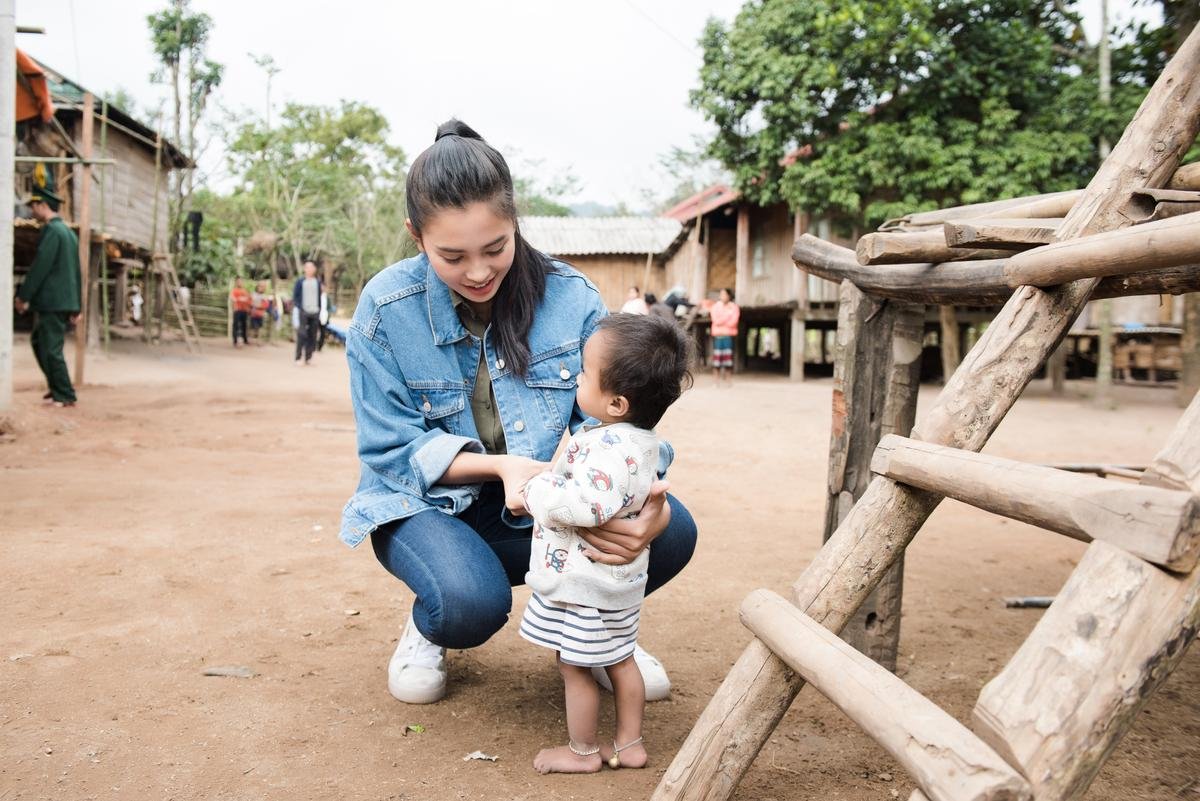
pixel 412 370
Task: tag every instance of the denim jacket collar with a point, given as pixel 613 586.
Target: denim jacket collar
pixel 443 318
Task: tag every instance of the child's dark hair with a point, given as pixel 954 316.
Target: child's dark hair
pixel 649 361
pixel 458 169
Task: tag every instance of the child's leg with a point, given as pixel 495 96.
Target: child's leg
pixel 583 716
pixel 630 693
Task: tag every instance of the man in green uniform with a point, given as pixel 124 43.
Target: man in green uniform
pixel 51 290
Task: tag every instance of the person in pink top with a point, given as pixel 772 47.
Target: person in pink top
pixel 724 315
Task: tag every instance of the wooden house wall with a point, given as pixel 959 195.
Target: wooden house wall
pixel 128 194
pixel 769 278
pixel 613 274
pixel 722 260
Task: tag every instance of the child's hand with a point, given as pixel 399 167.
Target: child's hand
pixel 515 472
pixel 618 542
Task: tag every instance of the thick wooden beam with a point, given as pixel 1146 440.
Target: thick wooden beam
pixel 943 756
pixel 1172 242
pixel 1114 633
pixel 875 380
pixel 921 246
pixel 1003 233
pixel 758 690
pixel 974 283
pixel 1159 204
pixel 1159 525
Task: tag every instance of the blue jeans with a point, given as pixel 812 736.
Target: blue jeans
pixel 462 568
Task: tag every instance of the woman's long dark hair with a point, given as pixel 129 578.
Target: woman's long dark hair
pixel 458 169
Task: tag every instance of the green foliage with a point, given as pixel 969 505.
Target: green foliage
pixel 539 198
pixel 891 106
pixel 327 183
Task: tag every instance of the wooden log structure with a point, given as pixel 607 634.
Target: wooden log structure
pixel 1172 242
pixel 905 248
pixel 1002 233
pixel 1052 204
pixel 876 375
pixel 968 283
pixel 1159 525
pixel 948 341
pixel 759 687
pixel 947 761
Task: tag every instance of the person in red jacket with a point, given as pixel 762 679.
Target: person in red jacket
pixel 240 299
pixel 724 315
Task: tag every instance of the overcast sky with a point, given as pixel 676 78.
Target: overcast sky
pixel 599 88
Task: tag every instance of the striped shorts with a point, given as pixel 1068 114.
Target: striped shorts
pixel 582 635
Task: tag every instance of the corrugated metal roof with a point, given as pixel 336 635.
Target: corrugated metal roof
pixel 584 236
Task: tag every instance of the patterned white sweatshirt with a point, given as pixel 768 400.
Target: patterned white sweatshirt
pixel 605 472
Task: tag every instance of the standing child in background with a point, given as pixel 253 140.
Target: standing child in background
pixel 239 298
pixel 586 604
pixel 724 315
pixel 259 302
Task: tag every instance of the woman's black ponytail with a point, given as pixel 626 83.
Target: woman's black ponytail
pixel 458 169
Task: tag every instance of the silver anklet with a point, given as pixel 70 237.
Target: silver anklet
pixel 581 752
pixel 614 761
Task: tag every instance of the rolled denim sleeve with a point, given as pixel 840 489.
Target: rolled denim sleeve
pixel 394 439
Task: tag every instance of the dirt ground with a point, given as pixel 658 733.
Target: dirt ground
pixel 184 516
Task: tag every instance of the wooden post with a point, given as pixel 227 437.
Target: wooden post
pixel 742 249
pixel 942 755
pixel 799 315
pixel 1189 345
pixel 1156 524
pixel 949 341
pixel 151 265
pixel 759 688
pixel 104 299
pixel 875 380
pixel 1056 369
pixel 8 125
pixel 84 219
pixel 1103 397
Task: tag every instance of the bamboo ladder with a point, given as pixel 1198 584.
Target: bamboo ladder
pixel 1048 721
pixel 164 267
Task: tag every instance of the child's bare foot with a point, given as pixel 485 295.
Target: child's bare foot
pixel 564 760
pixel 631 756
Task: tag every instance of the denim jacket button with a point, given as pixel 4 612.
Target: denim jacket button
pixel 500 366
pixel 564 374
pixel 427 406
pixel 519 425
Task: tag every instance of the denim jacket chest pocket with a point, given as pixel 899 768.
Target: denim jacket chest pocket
pixel 552 380
pixel 441 402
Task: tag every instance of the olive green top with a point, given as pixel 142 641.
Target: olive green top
pixel 52 283
pixel 483 397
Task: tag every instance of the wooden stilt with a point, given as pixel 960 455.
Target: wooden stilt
pixel 84 219
pixel 948 341
pixel 1189 346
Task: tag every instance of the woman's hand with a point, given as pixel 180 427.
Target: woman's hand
pixel 515 472
pixel 618 542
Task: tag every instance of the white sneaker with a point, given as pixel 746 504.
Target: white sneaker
pixel 658 686
pixel 417 670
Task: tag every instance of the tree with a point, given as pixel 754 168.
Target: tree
pixel 684 171
pixel 180 39
pixel 865 109
pixel 535 197
pixel 327 182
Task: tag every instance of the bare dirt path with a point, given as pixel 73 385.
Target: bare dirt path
pixel 184 516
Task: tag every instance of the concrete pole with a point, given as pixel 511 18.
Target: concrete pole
pixel 8 125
